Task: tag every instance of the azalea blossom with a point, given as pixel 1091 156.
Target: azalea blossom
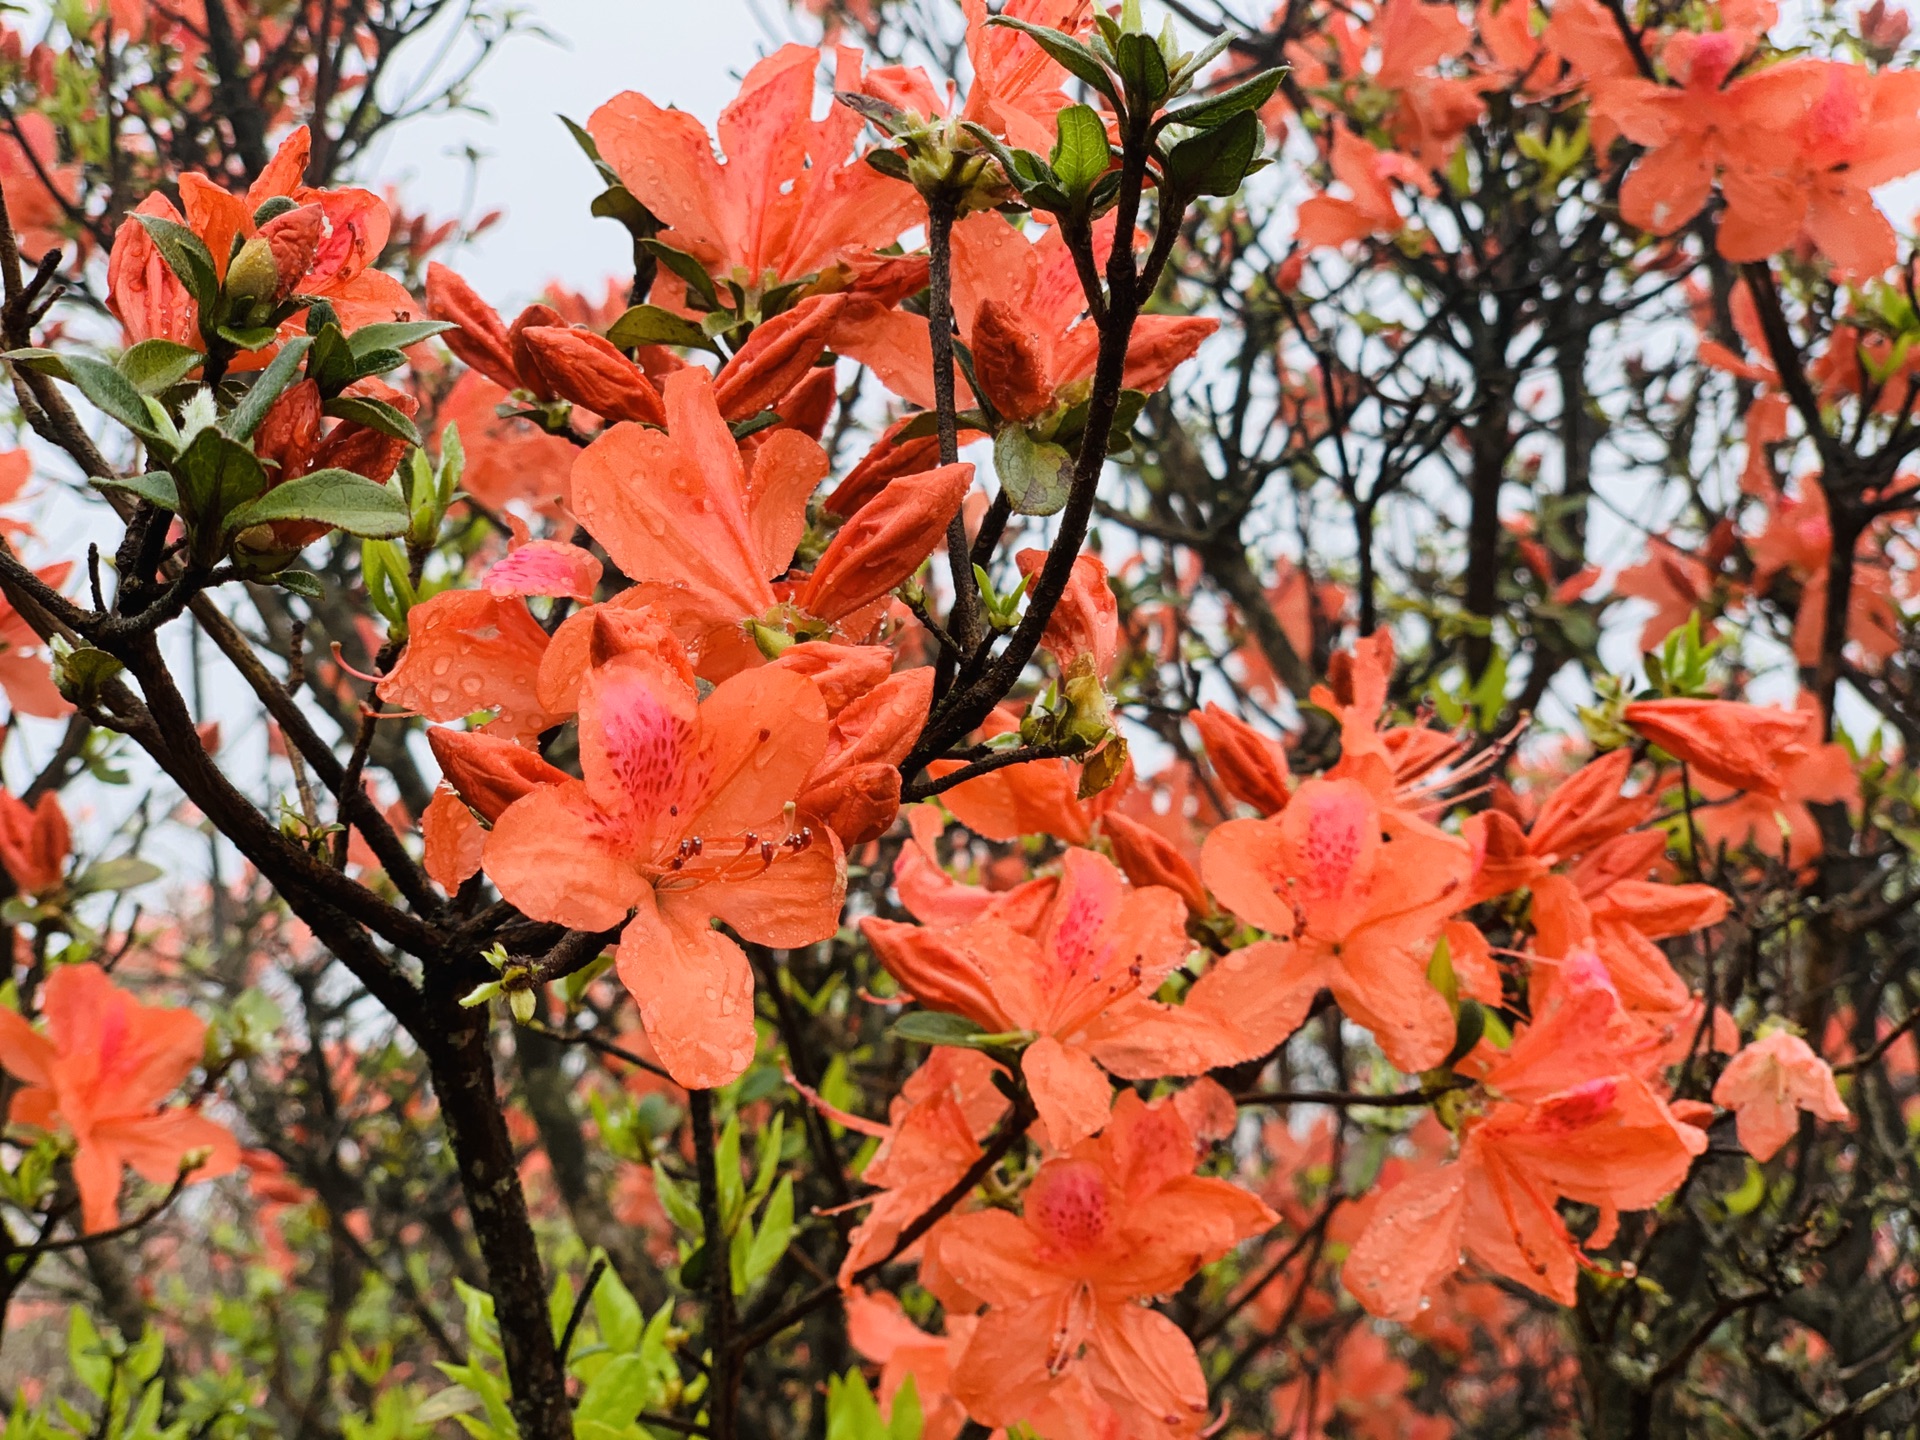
pixel 98 1074
pixel 684 817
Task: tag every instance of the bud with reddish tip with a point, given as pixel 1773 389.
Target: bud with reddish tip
pixel 885 542
pixel 488 772
pixel 1251 766
pixel 294 239
pixel 776 357
pixel 1010 363
pixel 580 366
pixel 1149 858
pixel 480 339
pixel 1087 619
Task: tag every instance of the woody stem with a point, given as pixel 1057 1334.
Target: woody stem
pixel 963 623
pixel 721 1379
pixel 964 708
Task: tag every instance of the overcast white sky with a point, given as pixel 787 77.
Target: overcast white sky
pixel 687 53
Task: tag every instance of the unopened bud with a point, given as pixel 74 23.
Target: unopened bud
pixel 253 276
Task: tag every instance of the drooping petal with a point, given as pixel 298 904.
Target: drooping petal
pixel 694 988
pixel 1411 1243
pixel 1069 1091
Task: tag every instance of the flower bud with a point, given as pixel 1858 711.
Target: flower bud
pixel 253 276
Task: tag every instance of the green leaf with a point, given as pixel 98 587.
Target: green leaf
pixel 774 1234
pixel 1143 69
pixel 1075 58
pixel 249 337
pixel 726 1165
pixel 339 498
pixel 332 366
pixel 156 365
pixel 112 393
pixel 1036 474
pixel 907 1420
pixel 40 361
pixel 216 474
pixel 687 268
pixel 86 1353
pixel 623 1388
pixel 155 485
pixel 394 335
pixel 125 873
pixel 303 583
pixel 617 1314
pixel 186 255
pixel 1081 154
pixel 1248 95
pixel 936 1027
pixel 1215 161
pixel 591 147
pixel 375 415
pixel 270 385
pixel 652 325
pixel 680 1206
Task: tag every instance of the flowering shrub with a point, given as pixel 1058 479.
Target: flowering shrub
pixel 1204 731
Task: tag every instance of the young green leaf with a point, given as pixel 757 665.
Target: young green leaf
pixel 156 486
pixel 339 498
pixel 1215 161
pixel 112 393
pixel 1075 58
pixel 156 365
pixel 1218 109
pixel 1080 153
pixel 271 384
pixel 1036 474
pixel 652 325
pixel 394 335
pixel 375 415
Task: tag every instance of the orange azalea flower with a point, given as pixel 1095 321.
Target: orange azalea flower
pixel 1357 895
pixel 467 651
pixel 325 248
pixel 1858 129
pixel 684 817
pixel 1564 1113
pixel 1769 1083
pixel 932 1136
pixel 705 537
pixel 1705 126
pixel 1116 1220
pixel 1366 1388
pixel 789 202
pixel 34 842
pixel 1070 973
pixel 1782 826
pixel 26 673
pixel 1021 314
pixel 103 1065
pixel 29 160
pixel 1016 87
pixel 1742 746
